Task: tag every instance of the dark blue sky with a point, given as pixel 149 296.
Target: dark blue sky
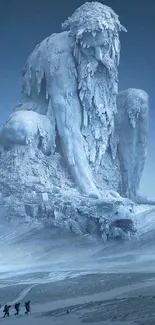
pixel 23 24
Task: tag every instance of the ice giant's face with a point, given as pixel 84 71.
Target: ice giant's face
pixel 96 27
pixel 97 45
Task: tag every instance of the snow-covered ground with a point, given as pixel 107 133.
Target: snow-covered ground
pixel 57 270
pixel 33 249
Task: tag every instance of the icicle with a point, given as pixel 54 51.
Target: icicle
pixel 114 141
pixel 97 133
pixel 92 154
pixel 47 94
pixel 85 118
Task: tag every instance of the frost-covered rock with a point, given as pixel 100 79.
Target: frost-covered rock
pixel 73 138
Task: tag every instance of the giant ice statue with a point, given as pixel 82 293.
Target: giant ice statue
pixel 72 130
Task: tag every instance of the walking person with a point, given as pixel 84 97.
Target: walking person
pixel 6 311
pixel 17 309
pixel 27 307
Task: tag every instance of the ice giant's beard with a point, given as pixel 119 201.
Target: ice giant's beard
pixel 97 89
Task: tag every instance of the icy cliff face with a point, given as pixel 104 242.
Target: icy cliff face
pixel 72 135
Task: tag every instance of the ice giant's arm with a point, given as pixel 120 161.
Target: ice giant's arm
pixel 132 128
pixel 68 114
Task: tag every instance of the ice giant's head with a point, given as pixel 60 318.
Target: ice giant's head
pixel 95 28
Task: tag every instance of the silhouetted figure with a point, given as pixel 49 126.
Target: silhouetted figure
pixel 6 311
pixel 27 307
pixel 17 308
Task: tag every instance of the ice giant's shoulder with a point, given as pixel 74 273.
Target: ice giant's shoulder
pixel 44 61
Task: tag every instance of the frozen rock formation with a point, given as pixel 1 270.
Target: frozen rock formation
pixel 72 135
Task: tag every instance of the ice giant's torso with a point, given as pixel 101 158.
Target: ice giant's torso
pixel 97 96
